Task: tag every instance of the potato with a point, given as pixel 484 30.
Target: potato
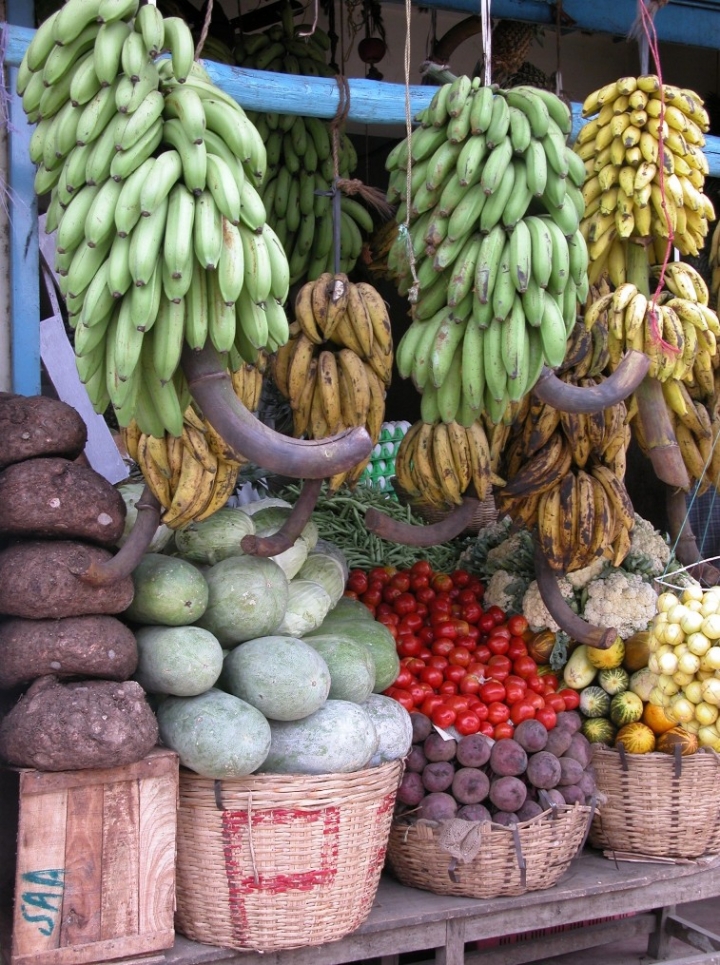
pixel 42 579
pixel 550 797
pixel 416 760
pixel 89 646
pixel 529 810
pixel 436 748
pixel 438 807
pixel 558 741
pixel 579 749
pixel 38 425
pixel 470 785
pixel 587 784
pixel 570 772
pixel 572 794
pixel 473 750
pixel 507 758
pixel 531 735
pixel 569 719
pixel 473 812
pixel 85 724
pixel 543 770
pixel 58 499
pixel 411 790
pixel 421 727
pixel 438 775
pixel 508 793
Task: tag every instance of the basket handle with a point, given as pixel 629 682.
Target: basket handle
pixel 522 864
pixel 217 789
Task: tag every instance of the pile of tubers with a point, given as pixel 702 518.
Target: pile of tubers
pixel 65 659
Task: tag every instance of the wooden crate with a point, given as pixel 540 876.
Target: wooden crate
pixel 95 863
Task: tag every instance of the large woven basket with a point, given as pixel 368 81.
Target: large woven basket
pixel 272 861
pixel 509 861
pixel 657 805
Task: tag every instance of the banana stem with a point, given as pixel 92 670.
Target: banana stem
pixel 636 267
pixel 131 552
pixel 446 46
pixel 211 387
pixel 292 527
pixel 663 449
pixel 433 534
pixel 683 539
pixel 574 398
pixel 565 617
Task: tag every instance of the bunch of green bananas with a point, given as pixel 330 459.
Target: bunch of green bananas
pixel 154 173
pixel 494 210
pixel 298 186
pixel 632 187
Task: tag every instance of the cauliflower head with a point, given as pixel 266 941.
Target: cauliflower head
pixel 535 611
pixel 506 591
pixel 622 600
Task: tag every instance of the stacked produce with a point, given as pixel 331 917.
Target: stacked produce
pixel 153 174
pixel 381 468
pixel 281 661
pixel 505 781
pixel 337 363
pixel 465 666
pixel 494 215
pixel 60 519
pixel 297 191
pixel 645 171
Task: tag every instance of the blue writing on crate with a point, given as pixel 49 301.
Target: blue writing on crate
pixel 49 899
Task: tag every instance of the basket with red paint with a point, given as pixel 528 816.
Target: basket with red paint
pixel 276 861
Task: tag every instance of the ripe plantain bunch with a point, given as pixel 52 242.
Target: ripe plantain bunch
pixel 153 174
pixel 677 330
pixel 337 363
pixel 565 470
pixel 632 188
pixel 494 214
pixel 298 186
pixel 439 463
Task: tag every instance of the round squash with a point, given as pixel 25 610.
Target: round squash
pixel 394 728
pixel 656 719
pixel 637 651
pixel 248 597
pixel 636 738
pixel 215 538
pixel 599 730
pixel 351 666
pixel 625 708
pixel 677 736
pixel 607 659
pixel 379 641
pixel 184 661
pixel 168 591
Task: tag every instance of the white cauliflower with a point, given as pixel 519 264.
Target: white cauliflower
pixel 581 578
pixel 621 600
pixel 649 553
pixel 508 550
pixel 535 611
pixel 505 590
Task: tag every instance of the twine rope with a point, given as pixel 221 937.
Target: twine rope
pixel 205 30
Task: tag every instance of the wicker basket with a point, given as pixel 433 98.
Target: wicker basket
pixel 273 861
pixel 658 805
pixel 485 515
pixel 509 861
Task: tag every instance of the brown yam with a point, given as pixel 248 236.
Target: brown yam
pixel 41 580
pixel 89 646
pixel 36 425
pixel 59 499
pixel 85 724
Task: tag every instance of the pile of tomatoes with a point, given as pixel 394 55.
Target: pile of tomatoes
pixel 462 665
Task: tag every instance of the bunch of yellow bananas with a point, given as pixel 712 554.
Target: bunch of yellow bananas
pixel 695 433
pixel 439 462
pixel 678 330
pixel 631 188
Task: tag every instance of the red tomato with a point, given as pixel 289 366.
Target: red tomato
pixel 350 594
pixel 381 573
pixel 517 625
pixel 431 703
pixel 466 596
pixel 421 568
pixel 525 666
pixel 455 673
pixel 477 588
pixel 497 614
pixel 476 667
pixel 547 716
pixel 486 728
pixel 390 593
pixel 467 722
pixel 418 583
pixel 492 692
pixel 441 581
pixel 425 594
pixel 473 632
pixel 462 626
pixel 499 666
pixel 448 688
pixel 404 604
pixel 384 609
pixel 404 678
pixel 357 581
pixel 486 623
pixel 426 634
pixel 413 664
pixel 460 577
pixel 442 646
pixel 516 648
pixel 440 611
pixel 498 712
pixel 497 644
pixel 458 702
pixel 503 730
pixel 481 653
pixel 471 612
pixel 522 710
pixel 459 657
pixel 571 698
pixel 446 628
pixel 556 701
pixel 411 622
pixel 535 683
pixel 514 691
pixel 371 597
pixel 389 619
pixel 401 580
pixel 437 661
pixel 469 684
pixel 432 676
pixel 404 698
pixel 550 680
pixel 443 717
pixel 418 693
pixel 422 611
pixel 537 700
pixel 467 642
pixel 425 654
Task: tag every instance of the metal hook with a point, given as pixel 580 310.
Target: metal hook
pixel 311 31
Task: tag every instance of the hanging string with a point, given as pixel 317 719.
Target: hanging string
pixel 205 30
pixel 558 46
pixel 414 289
pixel 486 42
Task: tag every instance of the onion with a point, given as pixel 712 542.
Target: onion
pixel 677 613
pixel 711 626
pixel 681 709
pixel 689 663
pixel 691 622
pixel 711 691
pixel 666 601
pixel 705 713
pixel 693 592
pixel 709 737
pixel 698 644
pixel 667 663
pixel 693 691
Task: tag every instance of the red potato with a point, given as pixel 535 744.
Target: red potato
pixel 438 775
pixel 580 749
pixel 436 748
pixel 507 758
pixel 508 793
pixel 587 784
pixel 411 790
pixel 531 735
pixel 569 719
pixel 470 785
pixel 570 772
pixel 543 770
pixel 559 740
pixel 505 818
pixel 437 807
pixel 572 794
pixel 551 797
pixel 474 812
pixel 529 810
pixel 416 760
pixel 473 750
pixel 421 727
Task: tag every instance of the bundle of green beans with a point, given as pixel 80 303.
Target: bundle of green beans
pixel 340 518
